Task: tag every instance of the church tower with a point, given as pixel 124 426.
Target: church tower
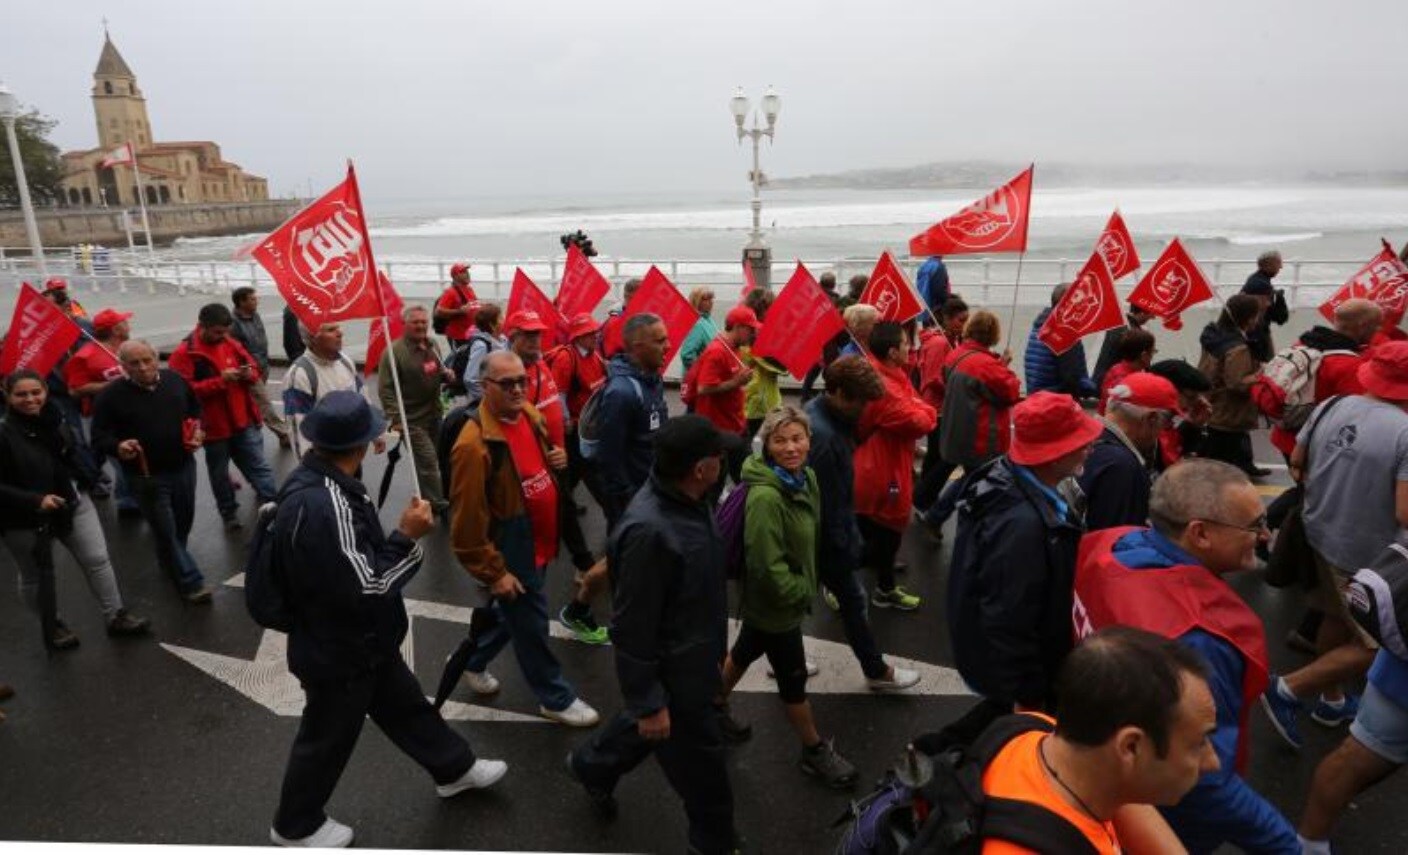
pixel 118 104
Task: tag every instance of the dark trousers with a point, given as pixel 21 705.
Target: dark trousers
pixel 934 473
pixel 882 544
pixel 332 720
pixel 841 580
pixel 693 762
pixel 1229 446
pixel 168 501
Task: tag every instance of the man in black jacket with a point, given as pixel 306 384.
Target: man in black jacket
pixel 343 578
pixel 1119 473
pixel 1273 305
pixel 1019 526
pixel 670 633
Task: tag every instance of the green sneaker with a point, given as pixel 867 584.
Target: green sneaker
pixel 898 598
pixel 585 629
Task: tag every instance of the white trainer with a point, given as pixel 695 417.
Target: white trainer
pixel 330 835
pixel 899 680
pixel 577 714
pixel 484 773
pixel 481 682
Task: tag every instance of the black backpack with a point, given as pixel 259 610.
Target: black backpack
pixel 450 428
pixel 959 815
pixel 265 584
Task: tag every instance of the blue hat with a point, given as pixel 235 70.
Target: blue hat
pixel 342 421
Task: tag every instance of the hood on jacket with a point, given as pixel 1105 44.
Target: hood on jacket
pixel 620 365
pixel 1324 338
pixel 1217 340
pixel 995 487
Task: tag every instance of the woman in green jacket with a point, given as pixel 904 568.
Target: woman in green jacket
pixel 780 532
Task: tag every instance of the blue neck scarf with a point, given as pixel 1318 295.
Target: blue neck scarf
pixel 795 482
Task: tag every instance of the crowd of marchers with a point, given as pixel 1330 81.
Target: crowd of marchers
pixel 1094 513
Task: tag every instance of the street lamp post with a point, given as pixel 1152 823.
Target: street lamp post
pixel 757 254
pixel 9 111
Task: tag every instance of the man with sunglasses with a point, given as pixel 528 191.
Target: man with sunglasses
pixel 1207 518
pixel 1118 474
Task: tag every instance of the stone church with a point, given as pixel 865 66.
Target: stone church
pixel 172 173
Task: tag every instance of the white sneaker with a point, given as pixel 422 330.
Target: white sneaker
pixel 578 714
pixel 812 670
pixel 484 773
pixel 899 680
pixel 331 835
pixel 481 682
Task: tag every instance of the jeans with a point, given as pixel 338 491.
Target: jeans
pixel 87 546
pixel 246 448
pixel 168 501
pixel 841 580
pixel 524 621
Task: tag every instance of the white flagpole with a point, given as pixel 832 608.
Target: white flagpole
pixel 400 400
pixel 142 199
pixel 1012 318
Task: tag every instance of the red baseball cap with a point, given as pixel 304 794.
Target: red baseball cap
pixel 582 324
pixel 56 284
pixel 109 318
pixel 1385 373
pixel 459 267
pixel 1048 425
pixel 524 321
pixel 741 316
pixel 1143 389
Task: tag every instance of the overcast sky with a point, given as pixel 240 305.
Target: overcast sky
pixel 444 100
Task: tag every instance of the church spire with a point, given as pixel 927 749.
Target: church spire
pixel 110 62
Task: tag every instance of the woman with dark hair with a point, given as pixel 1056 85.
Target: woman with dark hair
pixel 42 502
pixel 1135 353
pixel 1231 368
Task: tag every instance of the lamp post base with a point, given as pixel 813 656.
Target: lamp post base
pixel 759 259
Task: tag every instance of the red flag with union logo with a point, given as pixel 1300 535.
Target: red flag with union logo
pixel 1384 280
pixel 1116 245
pixel 890 291
pixel 525 296
pixel 39 335
pixel 1090 305
pixel 1174 283
pixel 799 324
pixel 376 338
pixel 321 259
pixel 657 295
pixel 995 223
pixel 583 286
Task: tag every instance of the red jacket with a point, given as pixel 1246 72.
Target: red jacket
pixel 226 408
pixel 934 348
pixel 980 390
pixel 884 462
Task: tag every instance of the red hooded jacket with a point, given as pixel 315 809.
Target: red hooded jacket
pixel 884 462
pixel 226 408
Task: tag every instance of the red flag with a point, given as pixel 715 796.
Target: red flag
pixel 799 324
pixel 1384 280
pixel 1117 247
pixel 321 259
pixel 120 156
pixel 582 288
pixel 995 223
pixel 1173 284
pixel 659 296
pixel 749 282
pixel 1090 305
pixel 39 335
pixel 376 339
pixel 890 291
pixel 526 296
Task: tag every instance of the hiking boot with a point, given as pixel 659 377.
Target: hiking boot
pixel 822 761
pixel 1282 711
pixel 898 598
pixel 125 624
pixel 330 835
pixel 584 628
pixel 481 682
pixel 733 730
pixel 61 637
pixel 897 680
pixel 484 773
pixel 198 597
pixel 603 800
pixel 1329 714
pixel 577 714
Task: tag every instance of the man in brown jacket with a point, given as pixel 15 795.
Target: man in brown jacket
pixel 504 520
pixel 1230 367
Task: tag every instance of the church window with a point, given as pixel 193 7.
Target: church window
pixel 107 87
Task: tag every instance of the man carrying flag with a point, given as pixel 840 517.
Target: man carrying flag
pixel 415 356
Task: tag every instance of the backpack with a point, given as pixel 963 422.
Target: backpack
pixel 265 585
pixel 441 324
pixel 450 429
pixel 956 815
pixel 1377 597
pixel 590 427
pixel 457 360
pixel 1285 391
pixel 729 519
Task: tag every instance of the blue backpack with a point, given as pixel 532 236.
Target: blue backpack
pixel 589 425
pixel 729 519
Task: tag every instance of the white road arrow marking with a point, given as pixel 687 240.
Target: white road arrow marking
pixel 266 680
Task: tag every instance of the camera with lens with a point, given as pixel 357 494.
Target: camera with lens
pixel 580 240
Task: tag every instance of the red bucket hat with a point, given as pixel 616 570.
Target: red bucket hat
pixel 109 318
pixel 582 324
pixel 1143 389
pixel 1048 425
pixel 1385 373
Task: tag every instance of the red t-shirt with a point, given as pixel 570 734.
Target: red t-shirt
pixel 543 393
pixel 453 298
pixel 91 364
pixel 539 491
pixel 717 365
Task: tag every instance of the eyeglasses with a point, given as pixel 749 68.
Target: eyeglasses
pixel 508 384
pixel 1258 526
